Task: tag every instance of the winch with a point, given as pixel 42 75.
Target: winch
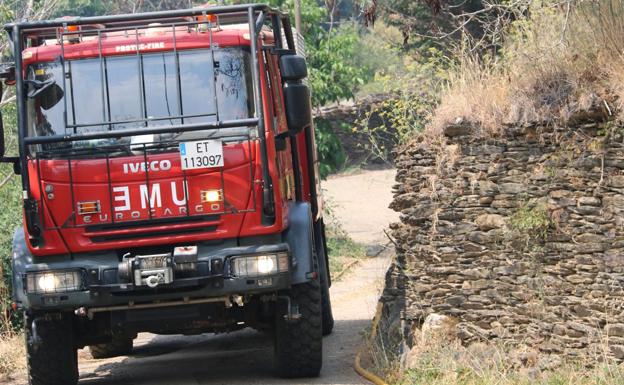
pixel 146 270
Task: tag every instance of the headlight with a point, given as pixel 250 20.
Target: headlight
pixel 53 282
pixel 259 265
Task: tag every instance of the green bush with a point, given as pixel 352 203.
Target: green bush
pixel 532 222
pixel 10 219
pixel 332 155
pixel 413 88
pixel 335 72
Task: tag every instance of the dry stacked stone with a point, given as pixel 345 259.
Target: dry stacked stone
pixel 520 238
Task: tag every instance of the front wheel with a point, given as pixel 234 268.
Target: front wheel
pixel 51 354
pixel 299 343
pixel 324 275
pixel 328 316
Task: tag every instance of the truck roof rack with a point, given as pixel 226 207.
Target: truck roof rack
pixel 138 19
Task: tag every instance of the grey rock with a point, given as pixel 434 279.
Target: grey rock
pixel 490 221
pixel 615 329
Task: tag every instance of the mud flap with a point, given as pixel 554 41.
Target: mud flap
pixel 300 239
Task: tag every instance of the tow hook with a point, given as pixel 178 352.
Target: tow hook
pixel 292 313
pixel 81 312
pixel 153 280
pixel 35 340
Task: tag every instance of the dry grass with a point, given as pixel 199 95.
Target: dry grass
pixel 439 358
pixel 12 356
pixel 441 361
pixel 445 363
pixel 552 65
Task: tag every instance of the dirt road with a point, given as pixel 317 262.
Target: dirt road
pixel 245 357
pixel 361 202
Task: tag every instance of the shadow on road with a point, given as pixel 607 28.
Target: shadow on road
pixel 244 357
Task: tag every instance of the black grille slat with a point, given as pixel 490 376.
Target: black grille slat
pixel 152 234
pixel 146 224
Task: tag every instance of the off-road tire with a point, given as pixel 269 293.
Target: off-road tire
pixel 321 252
pixel 328 316
pixel 52 356
pixel 119 346
pixel 299 344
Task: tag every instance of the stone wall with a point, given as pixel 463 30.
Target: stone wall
pixel 518 239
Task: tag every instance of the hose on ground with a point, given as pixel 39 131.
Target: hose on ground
pixel 357 364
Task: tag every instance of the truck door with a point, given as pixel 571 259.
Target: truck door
pixel 276 101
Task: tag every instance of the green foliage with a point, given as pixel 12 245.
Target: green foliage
pixel 334 72
pixel 331 154
pixel 413 90
pixel 10 219
pixel 532 222
pixel 107 7
pixel 82 8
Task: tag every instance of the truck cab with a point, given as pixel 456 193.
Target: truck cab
pixel 170 185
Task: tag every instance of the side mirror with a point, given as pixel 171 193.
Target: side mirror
pixel 49 93
pixel 298 106
pixel 293 67
pixel 296 93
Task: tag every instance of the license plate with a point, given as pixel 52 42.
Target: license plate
pixel 201 154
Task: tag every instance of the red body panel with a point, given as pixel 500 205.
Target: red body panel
pixel 129 196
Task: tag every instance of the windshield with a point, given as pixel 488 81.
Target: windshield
pixel 147 90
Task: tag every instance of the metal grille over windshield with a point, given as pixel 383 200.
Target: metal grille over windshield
pixel 154 117
pixel 114 181
pixel 147 90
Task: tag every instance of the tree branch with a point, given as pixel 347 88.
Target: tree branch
pixel 6 180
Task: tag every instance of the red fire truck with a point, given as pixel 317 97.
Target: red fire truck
pixel 170 185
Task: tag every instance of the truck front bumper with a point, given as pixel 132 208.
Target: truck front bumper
pixel 101 287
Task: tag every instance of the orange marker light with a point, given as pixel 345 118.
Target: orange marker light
pixel 204 22
pixel 70 33
pixel 207 18
pixel 86 208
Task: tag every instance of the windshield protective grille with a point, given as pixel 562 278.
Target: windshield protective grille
pixel 146 90
pixel 119 183
pixel 81 132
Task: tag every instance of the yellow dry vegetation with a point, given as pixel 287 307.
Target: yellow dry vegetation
pixel 12 356
pixel 443 362
pixel 551 66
